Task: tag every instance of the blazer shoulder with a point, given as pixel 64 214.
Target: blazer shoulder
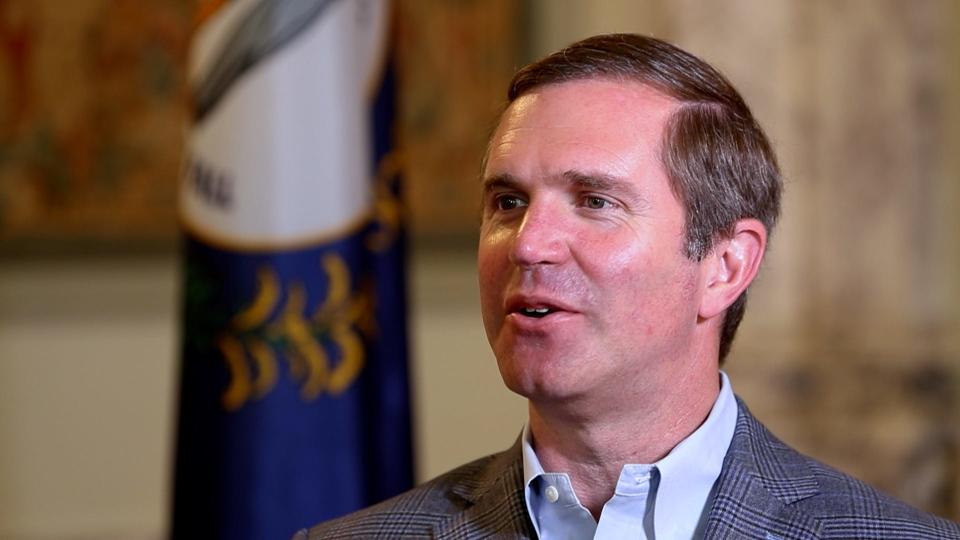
pixel 412 514
pixel 843 506
pixel 846 505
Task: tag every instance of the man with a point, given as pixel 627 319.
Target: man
pixel 628 195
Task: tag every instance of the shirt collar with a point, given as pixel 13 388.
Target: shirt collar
pixel 687 473
pixel 531 470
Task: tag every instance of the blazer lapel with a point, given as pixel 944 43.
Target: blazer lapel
pixel 760 481
pixel 496 504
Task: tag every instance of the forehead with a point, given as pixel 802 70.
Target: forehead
pixel 582 124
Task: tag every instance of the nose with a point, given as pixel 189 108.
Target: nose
pixel 540 239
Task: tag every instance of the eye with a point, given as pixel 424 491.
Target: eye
pixel 596 203
pixel 509 202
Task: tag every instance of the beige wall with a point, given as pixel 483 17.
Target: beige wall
pixel 88 379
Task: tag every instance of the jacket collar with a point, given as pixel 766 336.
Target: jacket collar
pixel 762 479
pixel 494 500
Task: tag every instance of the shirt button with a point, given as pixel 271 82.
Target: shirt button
pixel 552 494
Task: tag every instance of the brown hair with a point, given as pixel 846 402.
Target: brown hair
pixel 718 159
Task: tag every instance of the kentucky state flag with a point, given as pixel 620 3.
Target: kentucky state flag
pixel 294 401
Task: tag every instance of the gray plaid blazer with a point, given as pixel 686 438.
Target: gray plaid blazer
pixel 765 491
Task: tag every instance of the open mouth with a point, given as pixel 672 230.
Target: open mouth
pixel 529 306
pixel 535 312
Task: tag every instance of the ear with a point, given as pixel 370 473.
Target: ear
pixel 731 265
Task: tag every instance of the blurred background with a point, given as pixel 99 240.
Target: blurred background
pixel 850 349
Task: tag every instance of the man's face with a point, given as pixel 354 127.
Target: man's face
pixel 584 287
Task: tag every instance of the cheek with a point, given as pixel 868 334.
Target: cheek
pixel 492 272
pixel 489 264
pixel 619 263
pixel 493 251
pixel 648 282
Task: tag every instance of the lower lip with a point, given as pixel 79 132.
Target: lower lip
pixel 541 324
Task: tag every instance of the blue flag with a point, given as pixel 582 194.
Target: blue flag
pixel 294 398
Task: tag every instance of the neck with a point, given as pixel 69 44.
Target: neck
pixel 593 448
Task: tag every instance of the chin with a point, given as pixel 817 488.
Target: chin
pixel 537 379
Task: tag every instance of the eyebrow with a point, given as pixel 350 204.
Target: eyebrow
pixel 600 182
pixel 502 180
